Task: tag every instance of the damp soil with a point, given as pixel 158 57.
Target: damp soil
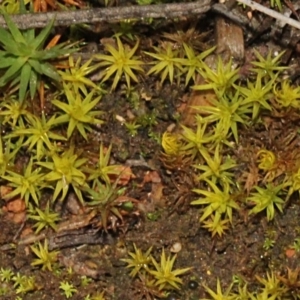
pixel 163 216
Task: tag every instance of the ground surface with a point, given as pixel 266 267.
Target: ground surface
pixel 163 216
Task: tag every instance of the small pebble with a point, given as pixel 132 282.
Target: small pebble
pixel 172 297
pixel 176 247
pixel 193 284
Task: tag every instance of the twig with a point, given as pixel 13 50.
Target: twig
pixel 272 13
pixel 67 18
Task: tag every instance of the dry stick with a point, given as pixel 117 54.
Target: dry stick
pixel 272 13
pixel 67 18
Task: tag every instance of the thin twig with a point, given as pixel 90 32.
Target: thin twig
pixel 272 13
pixel 95 15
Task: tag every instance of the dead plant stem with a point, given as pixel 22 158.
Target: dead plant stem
pixel 109 14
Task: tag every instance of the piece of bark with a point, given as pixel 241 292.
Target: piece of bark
pixel 229 37
pixel 197 98
pixel 108 14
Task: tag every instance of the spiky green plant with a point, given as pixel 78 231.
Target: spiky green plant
pixel 38 134
pixel 257 95
pixel 78 112
pixel 44 257
pixel 106 200
pixel 217 168
pixel 43 218
pixel 227 111
pixel 266 198
pixel 121 61
pixel 76 74
pixel 167 62
pixel 24 58
pixel 219 79
pixel 138 260
pixel 218 200
pixel 65 171
pixel 165 276
pixel 27 185
pixel 103 170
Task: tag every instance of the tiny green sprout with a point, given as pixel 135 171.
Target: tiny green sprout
pixel 219 295
pixel 145 2
pixel 24 284
pixel 76 75
pixel 155 136
pixel 85 280
pixel 103 170
pixel 7 155
pixel 27 185
pixel 68 289
pixel 45 257
pixel 18 279
pixel 242 292
pixel 139 261
pixel 132 127
pixel 70 270
pixel 27 286
pixel 219 80
pixel 266 198
pixel 6 275
pixel 125 28
pixel 268 66
pixel 296 244
pixel 148 120
pixel 165 277
pixel 78 111
pixel 106 199
pixel 256 95
pixel 216 225
pixel 293 181
pixel 277 3
pixel 268 243
pixel 167 62
pixel 120 61
pixel 44 218
pixel 287 95
pixel 5 290
pixel 216 201
pixel 98 296
pixel 65 170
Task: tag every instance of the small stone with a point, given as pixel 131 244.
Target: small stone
pixel 176 247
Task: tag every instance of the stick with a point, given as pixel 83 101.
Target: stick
pixel 272 13
pixel 95 15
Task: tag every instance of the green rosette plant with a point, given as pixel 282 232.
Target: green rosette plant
pixel 24 58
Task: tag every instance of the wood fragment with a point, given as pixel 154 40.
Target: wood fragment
pixel 271 12
pixel 229 37
pixel 109 14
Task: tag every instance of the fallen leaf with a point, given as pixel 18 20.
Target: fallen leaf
pixel 290 253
